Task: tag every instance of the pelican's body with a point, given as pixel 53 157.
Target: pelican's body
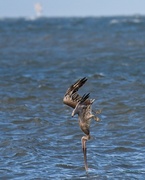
pixel 83 107
pixel 84 111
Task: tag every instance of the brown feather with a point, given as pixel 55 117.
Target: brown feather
pixel 71 97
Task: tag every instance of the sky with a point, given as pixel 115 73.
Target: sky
pixel 71 8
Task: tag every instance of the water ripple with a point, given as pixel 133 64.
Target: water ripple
pixel 39 60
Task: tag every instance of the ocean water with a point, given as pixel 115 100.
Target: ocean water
pixel 39 60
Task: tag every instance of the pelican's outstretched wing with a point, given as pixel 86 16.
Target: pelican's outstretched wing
pixel 71 97
pixel 85 100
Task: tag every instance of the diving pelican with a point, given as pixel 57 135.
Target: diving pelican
pixel 83 107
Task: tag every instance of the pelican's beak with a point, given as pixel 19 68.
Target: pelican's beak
pixel 85 153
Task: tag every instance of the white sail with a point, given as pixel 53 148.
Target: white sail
pixel 38 9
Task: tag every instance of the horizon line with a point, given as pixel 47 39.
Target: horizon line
pixel 73 16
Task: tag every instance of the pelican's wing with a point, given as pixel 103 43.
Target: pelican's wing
pixel 71 97
pixel 85 99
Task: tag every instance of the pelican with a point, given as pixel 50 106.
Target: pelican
pixel 83 107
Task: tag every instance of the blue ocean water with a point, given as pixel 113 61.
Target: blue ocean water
pixel 39 59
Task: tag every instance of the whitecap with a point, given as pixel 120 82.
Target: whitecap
pixel 114 21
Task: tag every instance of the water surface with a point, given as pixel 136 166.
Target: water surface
pixel 39 59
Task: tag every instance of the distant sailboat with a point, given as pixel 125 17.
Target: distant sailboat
pixel 38 9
